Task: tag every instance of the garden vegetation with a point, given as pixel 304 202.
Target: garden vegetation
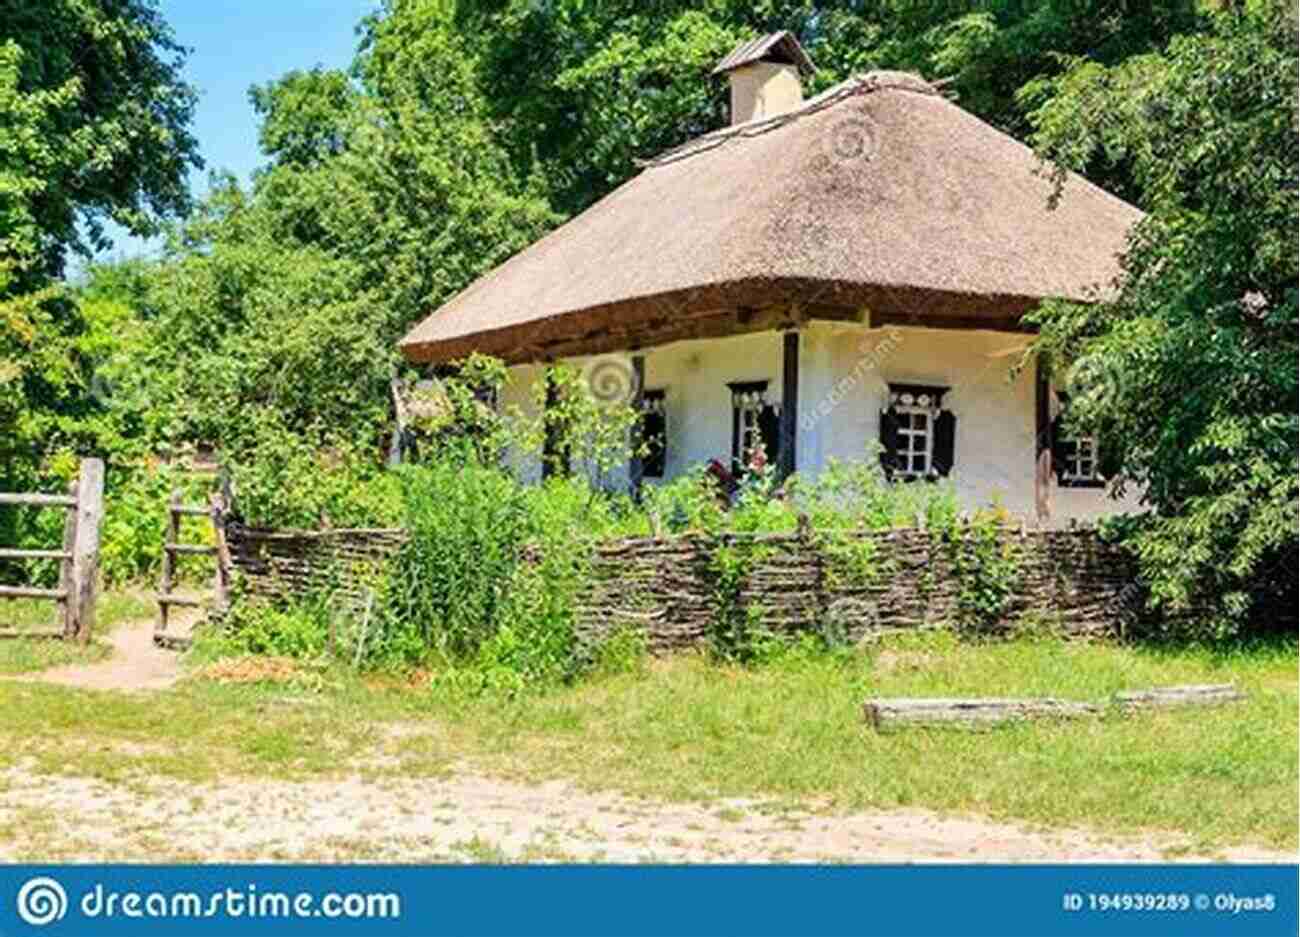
pixel 463 132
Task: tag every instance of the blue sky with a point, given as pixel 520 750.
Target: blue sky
pixel 238 43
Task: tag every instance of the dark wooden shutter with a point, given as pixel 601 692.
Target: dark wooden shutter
pixel 769 431
pixel 1056 439
pixel 1108 461
pixel 889 441
pixel 945 439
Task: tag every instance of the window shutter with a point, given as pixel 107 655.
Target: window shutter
pixel 769 431
pixel 888 440
pixel 1108 461
pixel 1056 438
pixel 945 438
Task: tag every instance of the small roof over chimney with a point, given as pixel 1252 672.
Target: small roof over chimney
pixel 780 47
pixel 764 76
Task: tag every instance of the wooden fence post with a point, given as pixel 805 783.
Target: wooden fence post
pixel 67 573
pixel 85 551
pixel 221 584
pixel 171 537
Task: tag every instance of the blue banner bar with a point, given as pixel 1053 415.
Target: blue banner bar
pixel 1001 900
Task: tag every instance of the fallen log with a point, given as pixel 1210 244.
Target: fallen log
pixel 890 713
pixel 975 713
pixel 1192 695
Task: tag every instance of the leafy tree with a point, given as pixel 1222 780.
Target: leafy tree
pixel 277 309
pixel 1188 372
pixel 94 121
pixel 582 90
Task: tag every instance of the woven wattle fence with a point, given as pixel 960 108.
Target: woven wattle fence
pixel 287 564
pixel 668 587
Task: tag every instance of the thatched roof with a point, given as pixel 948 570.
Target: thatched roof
pixel 880 193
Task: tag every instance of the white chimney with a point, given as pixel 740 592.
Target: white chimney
pixel 764 75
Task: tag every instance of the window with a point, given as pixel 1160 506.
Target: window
pixel 915 441
pixel 1076 459
pixel 654 431
pixel 1079 459
pixel 754 424
pixel 916 434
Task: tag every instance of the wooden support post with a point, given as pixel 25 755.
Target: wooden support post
pixel 1042 440
pixel 171 535
pixel 636 465
pixel 66 571
pixel 85 550
pixel 789 404
pixel 221 581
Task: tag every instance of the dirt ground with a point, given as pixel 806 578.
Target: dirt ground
pixel 135 663
pixel 471 817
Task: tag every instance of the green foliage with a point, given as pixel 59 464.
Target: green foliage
pixel 96 120
pixel 580 91
pixel 736 630
pixel 486 585
pixel 1188 374
pixel 135 523
pixel 300 629
pixel 986 564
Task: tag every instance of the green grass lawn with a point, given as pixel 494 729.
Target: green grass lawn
pixel 789 732
pixel 28 655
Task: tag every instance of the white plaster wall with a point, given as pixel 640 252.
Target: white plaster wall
pixel 995 433
pixel 844 371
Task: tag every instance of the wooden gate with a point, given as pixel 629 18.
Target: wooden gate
pixel 78 557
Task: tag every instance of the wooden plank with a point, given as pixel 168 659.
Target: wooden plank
pixel 31 592
pixel 172 642
pixel 164 600
pixel 85 552
pixel 8 554
pixel 190 548
pixel 37 500
pixel 44 633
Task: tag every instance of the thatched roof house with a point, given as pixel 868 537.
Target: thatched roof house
pixel 879 202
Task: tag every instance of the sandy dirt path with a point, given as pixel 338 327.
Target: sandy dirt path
pixel 135 663
pixel 472 818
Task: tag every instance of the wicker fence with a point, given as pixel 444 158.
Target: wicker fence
pixel 669 587
pixel 800 582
